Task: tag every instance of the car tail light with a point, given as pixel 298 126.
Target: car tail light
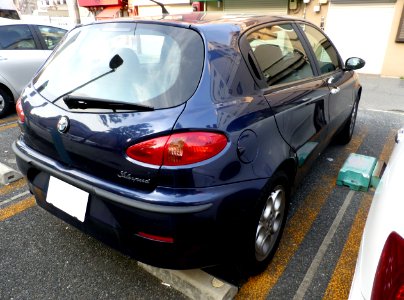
pixel 157 238
pixel 20 111
pixel 389 279
pixel 178 149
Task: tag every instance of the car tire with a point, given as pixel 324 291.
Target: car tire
pixel 268 222
pixel 5 103
pixel 345 135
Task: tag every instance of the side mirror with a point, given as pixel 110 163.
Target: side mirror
pixel 354 63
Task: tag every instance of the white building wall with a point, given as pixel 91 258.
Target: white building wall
pixel 361 30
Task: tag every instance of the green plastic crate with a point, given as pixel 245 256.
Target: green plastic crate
pixel 356 173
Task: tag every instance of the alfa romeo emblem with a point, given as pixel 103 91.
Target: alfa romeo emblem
pixel 63 124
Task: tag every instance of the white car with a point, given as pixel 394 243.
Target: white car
pixel 379 272
pixel 23 49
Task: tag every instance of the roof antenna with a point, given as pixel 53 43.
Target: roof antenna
pixel 164 11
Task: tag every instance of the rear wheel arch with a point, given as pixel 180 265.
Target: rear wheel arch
pixel 289 168
pixel 260 247
pixel 265 225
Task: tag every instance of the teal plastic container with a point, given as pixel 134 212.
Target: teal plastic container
pixel 356 173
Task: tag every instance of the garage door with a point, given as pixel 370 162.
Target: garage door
pixel 279 7
pixel 361 30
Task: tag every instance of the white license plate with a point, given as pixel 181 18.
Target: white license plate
pixel 68 198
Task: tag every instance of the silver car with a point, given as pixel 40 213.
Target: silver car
pixel 23 49
pixel 379 272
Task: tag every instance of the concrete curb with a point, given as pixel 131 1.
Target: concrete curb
pixel 8 175
pixel 195 284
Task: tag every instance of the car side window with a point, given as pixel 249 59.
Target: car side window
pixel 16 37
pixel 326 54
pixel 51 35
pixel 280 54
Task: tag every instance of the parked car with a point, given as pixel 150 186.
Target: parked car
pixel 380 264
pixel 23 49
pixel 178 141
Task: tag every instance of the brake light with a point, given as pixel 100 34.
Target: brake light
pixel 389 279
pixel 178 149
pixel 20 111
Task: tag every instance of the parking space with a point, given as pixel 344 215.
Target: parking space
pixel 318 252
pixel 42 257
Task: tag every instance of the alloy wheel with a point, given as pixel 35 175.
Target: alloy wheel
pixel 270 223
pixel 353 119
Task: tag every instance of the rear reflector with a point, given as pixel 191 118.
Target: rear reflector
pixel 178 149
pixel 164 239
pixel 389 279
pixel 20 111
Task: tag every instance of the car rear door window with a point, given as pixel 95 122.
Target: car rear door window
pixel 324 51
pixel 16 37
pixel 280 54
pixel 51 35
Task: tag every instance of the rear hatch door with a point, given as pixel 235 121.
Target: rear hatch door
pixel 109 86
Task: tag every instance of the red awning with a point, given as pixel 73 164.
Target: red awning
pixel 109 12
pixel 91 3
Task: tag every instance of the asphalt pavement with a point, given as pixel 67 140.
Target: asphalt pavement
pixel 382 93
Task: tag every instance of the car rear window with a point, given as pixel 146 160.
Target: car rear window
pixel 162 64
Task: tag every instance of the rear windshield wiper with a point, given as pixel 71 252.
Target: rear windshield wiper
pixel 80 102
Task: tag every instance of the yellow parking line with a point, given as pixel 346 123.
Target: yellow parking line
pixel 12 186
pixel 16 208
pixel 258 287
pixel 340 283
pixel 2 128
pixel 388 146
pixel 9 119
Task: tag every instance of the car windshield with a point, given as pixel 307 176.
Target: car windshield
pixel 161 68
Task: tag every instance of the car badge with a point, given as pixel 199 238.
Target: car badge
pixel 63 124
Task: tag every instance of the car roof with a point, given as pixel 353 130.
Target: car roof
pixel 204 19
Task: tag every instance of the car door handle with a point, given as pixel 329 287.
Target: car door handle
pixel 3 58
pixel 335 90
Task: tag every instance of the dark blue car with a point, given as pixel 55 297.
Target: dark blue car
pixel 179 140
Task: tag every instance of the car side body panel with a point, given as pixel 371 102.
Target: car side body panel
pixel 21 65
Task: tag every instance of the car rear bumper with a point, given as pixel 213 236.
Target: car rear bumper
pixel 205 224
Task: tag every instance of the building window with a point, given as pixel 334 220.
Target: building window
pixel 400 31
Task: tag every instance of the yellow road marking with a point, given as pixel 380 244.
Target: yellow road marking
pixel 16 208
pixel 9 119
pixel 2 128
pixel 388 146
pixel 258 287
pixel 12 186
pixel 340 283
